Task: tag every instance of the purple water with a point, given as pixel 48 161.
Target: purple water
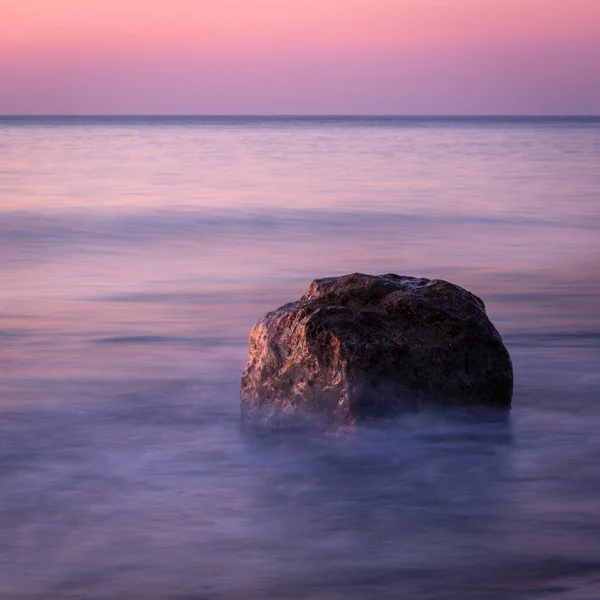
pixel 135 255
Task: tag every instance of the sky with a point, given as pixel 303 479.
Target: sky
pixel 300 57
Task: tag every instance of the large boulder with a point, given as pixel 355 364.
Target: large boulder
pixel 362 346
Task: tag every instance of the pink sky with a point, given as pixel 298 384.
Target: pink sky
pixel 300 57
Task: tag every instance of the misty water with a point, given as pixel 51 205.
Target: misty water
pixel 136 254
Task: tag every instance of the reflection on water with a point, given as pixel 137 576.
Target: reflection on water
pixel 136 255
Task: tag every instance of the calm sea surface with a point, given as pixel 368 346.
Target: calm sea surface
pixel 135 255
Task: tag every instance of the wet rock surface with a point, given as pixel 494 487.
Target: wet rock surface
pixel 362 346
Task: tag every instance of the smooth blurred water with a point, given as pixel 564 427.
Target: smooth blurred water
pixel 135 255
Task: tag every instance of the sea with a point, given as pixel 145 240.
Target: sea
pixel 136 253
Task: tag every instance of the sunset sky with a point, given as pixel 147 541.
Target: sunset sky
pixel 299 56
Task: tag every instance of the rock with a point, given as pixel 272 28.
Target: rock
pixel 362 346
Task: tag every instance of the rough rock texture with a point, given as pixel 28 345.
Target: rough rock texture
pixel 363 346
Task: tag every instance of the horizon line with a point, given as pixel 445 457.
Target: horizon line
pixel 303 115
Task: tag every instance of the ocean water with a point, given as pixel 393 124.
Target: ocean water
pixel 136 254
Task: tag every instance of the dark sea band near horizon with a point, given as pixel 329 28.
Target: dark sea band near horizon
pixel 136 252
pixel 253 120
